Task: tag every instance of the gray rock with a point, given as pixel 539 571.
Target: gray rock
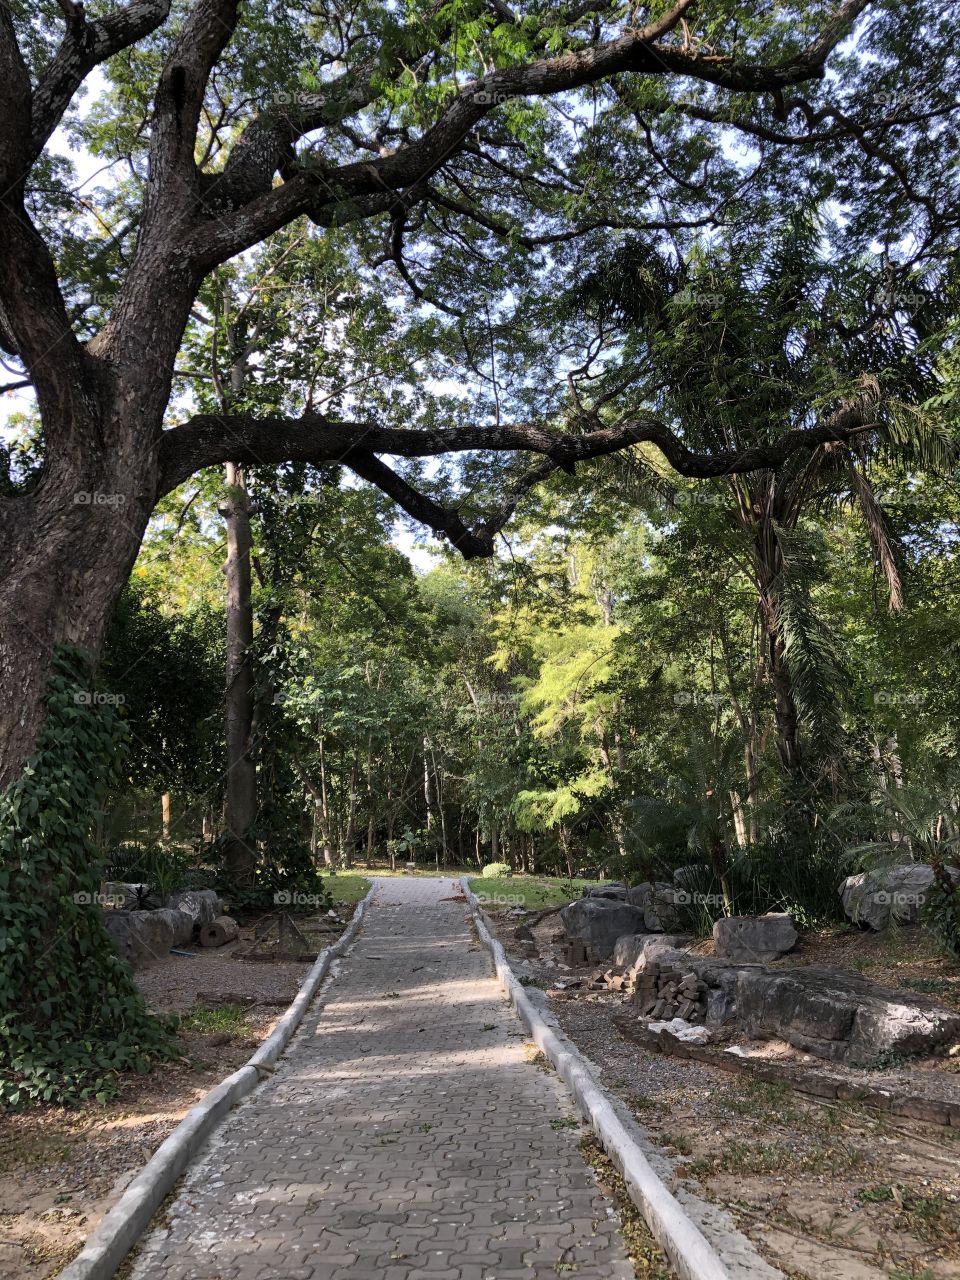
pixel 835 1014
pixel 647 946
pixel 889 895
pixel 659 901
pixel 599 922
pixel 757 939
pixel 615 889
pixel 638 895
pixel 130 897
pixel 143 937
pixel 202 905
pixel 840 1015
pixel 628 949
pixel 657 946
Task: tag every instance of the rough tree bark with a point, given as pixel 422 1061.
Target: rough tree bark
pixel 240 783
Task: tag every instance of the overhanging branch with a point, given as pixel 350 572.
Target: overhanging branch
pixel 318 193
pixel 209 440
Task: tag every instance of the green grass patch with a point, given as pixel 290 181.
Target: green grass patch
pixel 228 1018
pixel 531 892
pixel 346 887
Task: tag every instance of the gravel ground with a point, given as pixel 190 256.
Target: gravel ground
pixel 178 982
pixel 826 1191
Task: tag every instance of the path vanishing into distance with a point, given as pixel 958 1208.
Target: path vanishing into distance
pixel 406 1133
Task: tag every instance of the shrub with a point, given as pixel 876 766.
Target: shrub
pixel 497 869
pixel 288 869
pixel 943 910
pixel 162 867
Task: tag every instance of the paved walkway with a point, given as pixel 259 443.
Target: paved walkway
pixel 405 1136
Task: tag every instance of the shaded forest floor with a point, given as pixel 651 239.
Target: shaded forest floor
pixel 826 1190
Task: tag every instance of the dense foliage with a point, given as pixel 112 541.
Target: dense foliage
pixel 71 1017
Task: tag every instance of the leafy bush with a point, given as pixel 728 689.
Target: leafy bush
pixel 794 871
pixel 942 912
pixel 913 829
pixel 797 870
pixel 288 868
pixel 633 867
pixel 71 1017
pixel 496 869
pixel 163 868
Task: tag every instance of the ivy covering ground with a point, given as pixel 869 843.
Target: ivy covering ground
pixel 71 1017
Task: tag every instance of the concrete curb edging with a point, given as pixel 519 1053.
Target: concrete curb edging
pixel 126 1222
pixel 683 1242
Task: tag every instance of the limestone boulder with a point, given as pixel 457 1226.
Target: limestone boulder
pixel 754 939
pixel 202 905
pixel 615 889
pixel 628 949
pixel 835 1014
pixel 660 902
pixel 646 946
pixel 130 897
pixel 599 922
pixel 840 1015
pixel 889 895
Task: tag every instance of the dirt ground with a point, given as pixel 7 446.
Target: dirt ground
pixel 827 1191
pixel 62 1169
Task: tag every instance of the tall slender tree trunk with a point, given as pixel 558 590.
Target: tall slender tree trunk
pixel 325 808
pixel 564 837
pixel 350 826
pixel 240 790
pixel 438 788
pixel 371 803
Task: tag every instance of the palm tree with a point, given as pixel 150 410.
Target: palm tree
pixel 735 344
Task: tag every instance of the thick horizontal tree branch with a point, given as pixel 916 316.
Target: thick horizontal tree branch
pixel 208 440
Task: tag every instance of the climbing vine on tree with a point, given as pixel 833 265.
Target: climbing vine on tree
pixel 71 1017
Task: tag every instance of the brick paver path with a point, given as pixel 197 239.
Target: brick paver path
pixel 405 1135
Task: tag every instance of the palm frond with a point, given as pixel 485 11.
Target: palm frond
pixel 918 435
pixel 884 547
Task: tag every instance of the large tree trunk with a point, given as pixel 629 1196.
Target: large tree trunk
pixel 240 790
pixel 67 550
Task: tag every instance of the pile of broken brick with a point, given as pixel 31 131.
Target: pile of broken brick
pixel 663 992
pixel 658 990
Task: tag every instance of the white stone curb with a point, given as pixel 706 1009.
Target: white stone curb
pixel 682 1241
pixel 126 1222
